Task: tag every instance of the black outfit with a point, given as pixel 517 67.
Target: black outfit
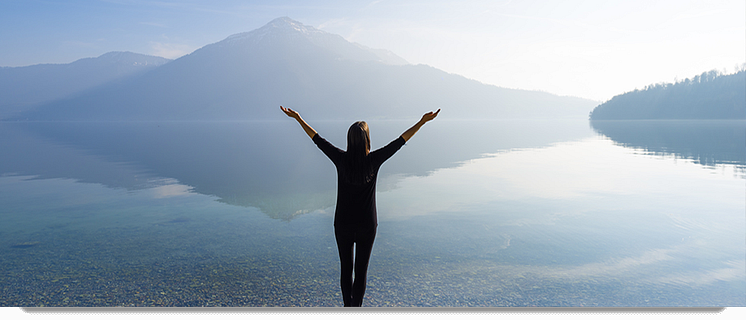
pixel 355 217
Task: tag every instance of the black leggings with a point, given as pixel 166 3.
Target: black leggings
pixel 352 292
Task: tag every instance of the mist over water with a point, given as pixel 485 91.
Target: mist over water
pixel 471 213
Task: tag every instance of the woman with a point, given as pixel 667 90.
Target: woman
pixel 355 219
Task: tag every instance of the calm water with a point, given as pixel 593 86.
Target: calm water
pixel 472 213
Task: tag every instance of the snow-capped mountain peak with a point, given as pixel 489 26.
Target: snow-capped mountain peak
pixel 288 31
pixel 277 27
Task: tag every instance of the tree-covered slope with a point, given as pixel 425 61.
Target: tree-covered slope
pixel 711 95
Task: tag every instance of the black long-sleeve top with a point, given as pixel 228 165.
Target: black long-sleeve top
pixel 356 204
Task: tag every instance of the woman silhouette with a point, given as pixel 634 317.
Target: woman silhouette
pixel 355 219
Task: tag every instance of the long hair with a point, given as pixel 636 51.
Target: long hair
pixel 358 170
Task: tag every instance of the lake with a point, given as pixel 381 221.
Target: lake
pixel 472 213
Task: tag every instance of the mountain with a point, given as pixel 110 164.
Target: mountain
pixel 22 88
pixel 711 95
pixel 248 75
pixel 287 33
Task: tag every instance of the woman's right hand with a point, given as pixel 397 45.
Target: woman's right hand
pixel 425 118
pixel 429 116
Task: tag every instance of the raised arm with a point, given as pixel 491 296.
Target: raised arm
pixel 295 115
pixel 425 118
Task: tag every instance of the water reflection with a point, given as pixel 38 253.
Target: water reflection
pixel 579 216
pixel 269 165
pixel 490 213
pixel 572 171
pixel 707 142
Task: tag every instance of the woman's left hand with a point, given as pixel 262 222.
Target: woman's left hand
pixel 290 112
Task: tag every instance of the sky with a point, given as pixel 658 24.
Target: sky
pixel 588 49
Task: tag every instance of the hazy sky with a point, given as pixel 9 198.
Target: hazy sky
pixel 590 49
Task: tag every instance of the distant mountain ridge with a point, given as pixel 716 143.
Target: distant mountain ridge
pixel 22 88
pixel 338 46
pixel 710 95
pixel 248 75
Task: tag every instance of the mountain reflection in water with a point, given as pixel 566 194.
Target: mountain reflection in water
pixel 707 142
pixel 471 213
pixel 270 165
pixel 274 167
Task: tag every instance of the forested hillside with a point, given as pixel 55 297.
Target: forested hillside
pixel 710 95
